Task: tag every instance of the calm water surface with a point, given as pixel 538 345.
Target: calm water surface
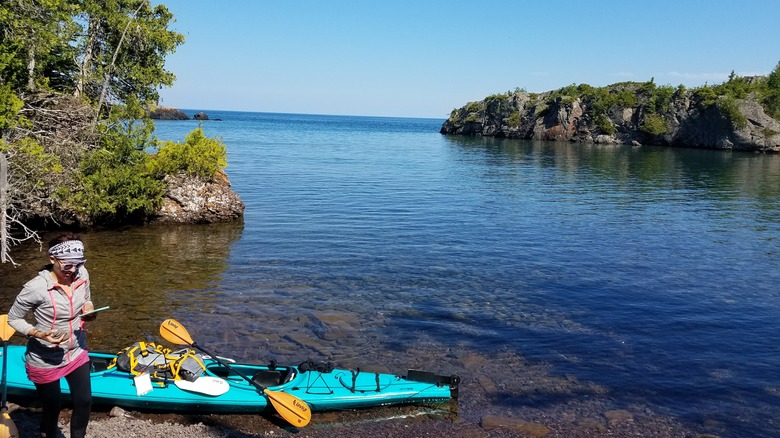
pixel 650 273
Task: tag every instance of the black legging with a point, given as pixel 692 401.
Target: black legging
pixel 51 398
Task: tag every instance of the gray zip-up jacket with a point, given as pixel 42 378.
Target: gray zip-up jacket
pixel 52 309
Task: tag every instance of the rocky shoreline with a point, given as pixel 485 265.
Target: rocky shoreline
pixel 630 113
pixel 570 420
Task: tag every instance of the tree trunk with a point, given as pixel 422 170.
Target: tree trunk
pixel 3 208
pixel 113 61
pixel 31 68
pixel 87 58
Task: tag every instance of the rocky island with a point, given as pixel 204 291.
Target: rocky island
pixel 741 114
pixel 167 113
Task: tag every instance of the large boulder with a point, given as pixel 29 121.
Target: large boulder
pixel 190 199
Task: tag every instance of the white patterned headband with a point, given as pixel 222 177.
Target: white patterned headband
pixel 68 250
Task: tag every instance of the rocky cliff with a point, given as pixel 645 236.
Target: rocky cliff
pixel 625 113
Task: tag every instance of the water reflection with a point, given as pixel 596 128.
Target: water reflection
pixel 145 274
pixel 707 174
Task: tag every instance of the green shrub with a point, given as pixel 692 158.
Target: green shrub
pixel 198 156
pixel 706 96
pixel 729 108
pixel 626 98
pixel 111 191
pixel 515 119
pixel 653 124
pixel 115 182
pixel 10 105
pixel 604 124
pixel 771 98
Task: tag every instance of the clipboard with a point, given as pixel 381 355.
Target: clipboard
pixel 95 311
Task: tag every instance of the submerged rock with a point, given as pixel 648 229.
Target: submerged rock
pixel 526 428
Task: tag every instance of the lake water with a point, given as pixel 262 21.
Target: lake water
pixel 649 275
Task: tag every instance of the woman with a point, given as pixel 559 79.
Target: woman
pixel 56 345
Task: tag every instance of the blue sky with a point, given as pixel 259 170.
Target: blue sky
pixel 422 58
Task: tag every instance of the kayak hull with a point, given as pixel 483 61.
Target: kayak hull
pixel 323 389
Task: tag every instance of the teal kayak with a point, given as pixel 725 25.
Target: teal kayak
pixel 320 385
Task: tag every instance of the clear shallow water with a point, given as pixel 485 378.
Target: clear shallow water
pixel 651 272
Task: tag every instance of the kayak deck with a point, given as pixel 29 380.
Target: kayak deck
pixel 322 388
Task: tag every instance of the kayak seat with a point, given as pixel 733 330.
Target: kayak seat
pixel 273 377
pixel 267 377
pixel 98 364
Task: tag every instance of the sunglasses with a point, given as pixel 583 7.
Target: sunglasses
pixel 71 266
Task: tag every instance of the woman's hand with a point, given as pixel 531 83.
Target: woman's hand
pixel 88 307
pixel 51 336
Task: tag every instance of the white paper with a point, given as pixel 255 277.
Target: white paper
pixel 143 384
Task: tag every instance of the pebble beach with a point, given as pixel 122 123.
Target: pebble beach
pixel 569 420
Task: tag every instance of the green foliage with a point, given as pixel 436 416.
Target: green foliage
pixel 115 182
pixel 653 125
pixel 127 43
pixel 473 107
pixel 198 156
pixel 729 108
pixel 515 119
pixel 604 124
pixel 706 96
pixel 10 105
pixel 36 31
pixel 473 111
pixel 736 87
pixel 40 169
pixel 766 90
pixel 541 110
pixel 771 97
pixel 661 100
pixel 33 161
pixel 111 190
pixel 107 51
pixel 648 88
pixel 497 96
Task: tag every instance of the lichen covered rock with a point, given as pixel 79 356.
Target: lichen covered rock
pixel 190 199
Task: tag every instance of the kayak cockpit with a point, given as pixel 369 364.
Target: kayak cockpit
pixel 263 376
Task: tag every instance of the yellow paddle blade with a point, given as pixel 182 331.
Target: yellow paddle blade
pixel 6 331
pixel 7 427
pixel 175 333
pixel 290 407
